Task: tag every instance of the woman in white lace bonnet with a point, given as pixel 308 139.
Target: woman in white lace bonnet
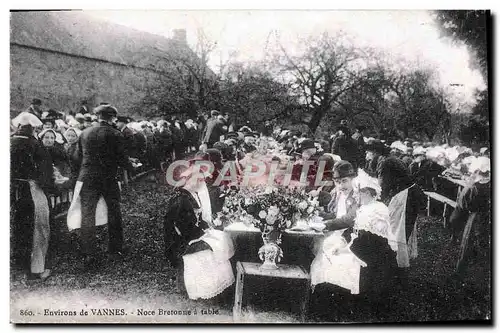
pixel 362 259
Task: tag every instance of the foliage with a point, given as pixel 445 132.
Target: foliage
pixel 185 83
pixel 476 131
pixel 470 27
pixel 250 94
pixel 313 90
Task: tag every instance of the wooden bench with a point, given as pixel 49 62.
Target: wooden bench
pixel 283 272
pixel 441 198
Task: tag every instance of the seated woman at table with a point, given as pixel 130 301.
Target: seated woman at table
pixel 362 259
pixel 190 235
pixel 341 209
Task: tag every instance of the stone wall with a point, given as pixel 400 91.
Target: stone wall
pixel 63 80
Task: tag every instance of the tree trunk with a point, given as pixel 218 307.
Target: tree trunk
pixel 318 114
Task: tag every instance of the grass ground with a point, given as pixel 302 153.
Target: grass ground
pixel 143 280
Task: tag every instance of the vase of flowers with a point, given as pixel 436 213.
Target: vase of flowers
pixel 270 253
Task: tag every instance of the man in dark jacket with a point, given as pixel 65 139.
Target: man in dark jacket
pixel 359 139
pixel 213 130
pixel 423 170
pixel 345 147
pixel 101 149
pixel 35 108
pixel 179 135
pixel 128 135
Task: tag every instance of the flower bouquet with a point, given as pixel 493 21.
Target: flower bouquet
pixel 307 209
pixel 272 210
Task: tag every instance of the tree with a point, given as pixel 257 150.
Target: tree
pixel 250 93
pixel 185 83
pixel 321 75
pixel 470 27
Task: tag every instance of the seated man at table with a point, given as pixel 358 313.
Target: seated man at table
pixel 341 210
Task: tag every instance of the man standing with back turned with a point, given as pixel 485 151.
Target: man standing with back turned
pixel 102 151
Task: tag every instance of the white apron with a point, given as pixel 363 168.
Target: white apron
pixel 41 230
pixel 74 218
pixel 397 212
pixel 208 273
pixel 340 268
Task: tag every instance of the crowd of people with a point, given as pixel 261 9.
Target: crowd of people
pixel 84 151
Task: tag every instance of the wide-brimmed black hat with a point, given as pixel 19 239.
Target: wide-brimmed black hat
pixel 106 109
pixel 220 146
pixel 245 129
pixel 123 119
pixel 343 169
pixel 49 120
pixel 251 134
pixel 375 146
pixel 232 135
pixel 306 144
pixel 50 115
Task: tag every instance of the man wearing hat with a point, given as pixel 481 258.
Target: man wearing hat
pixel 87 120
pixel 83 108
pixel 101 150
pixel 128 134
pixel 49 119
pixel 341 210
pixel 213 130
pixel 35 107
pixel 248 145
pixel 359 140
pixel 191 135
pixel 407 158
pixel 375 155
pixel 423 170
pixel 308 154
pixel 345 147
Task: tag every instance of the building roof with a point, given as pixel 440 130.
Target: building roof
pixel 76 33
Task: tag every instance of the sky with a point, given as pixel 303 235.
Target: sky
pixel 409 36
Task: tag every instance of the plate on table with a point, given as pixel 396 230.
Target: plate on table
pixel 317 226
pixel 240 226
pixel 300 227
